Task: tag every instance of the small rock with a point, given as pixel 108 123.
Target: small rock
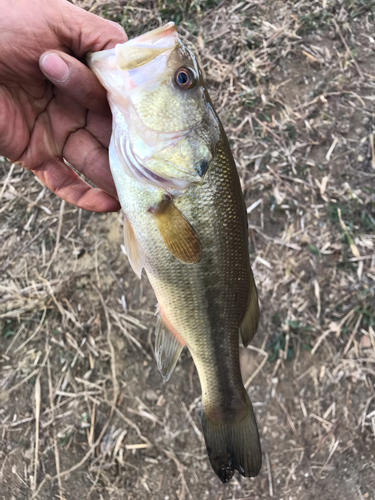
pixel 28 454
pixel 365 342
pixel 120 343
pixel 151 395
pixel 305 240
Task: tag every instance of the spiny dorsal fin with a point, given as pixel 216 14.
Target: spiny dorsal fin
pixel 132 248
pixel 177 232
pixel 167 349
pixel 249 324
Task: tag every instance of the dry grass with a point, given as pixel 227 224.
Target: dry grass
pixel 84 412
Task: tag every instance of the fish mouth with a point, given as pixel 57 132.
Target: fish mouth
pixel 141 50
pixel 156 36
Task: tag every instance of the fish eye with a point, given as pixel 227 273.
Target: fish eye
pixel 185 78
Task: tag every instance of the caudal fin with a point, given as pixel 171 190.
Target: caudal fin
pixel 232 441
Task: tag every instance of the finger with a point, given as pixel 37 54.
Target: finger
pixel 66 184
pixel 14 133
pixel 51 130
pixel 89 157
pixel 75 80
pixel 100 127
pixel 88 32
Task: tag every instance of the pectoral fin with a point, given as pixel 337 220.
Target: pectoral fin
pixel 167 349
pixel 249 324
pixel 177 232
pixel 132 248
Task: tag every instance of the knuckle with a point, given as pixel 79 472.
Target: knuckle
pixel 115 27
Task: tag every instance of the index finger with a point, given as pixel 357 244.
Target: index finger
pixel 66 184
pixel 83 32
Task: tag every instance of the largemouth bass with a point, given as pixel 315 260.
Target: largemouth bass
pixel 186 224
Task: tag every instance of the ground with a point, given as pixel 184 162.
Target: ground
pixel 84 412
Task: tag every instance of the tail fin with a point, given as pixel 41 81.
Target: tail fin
pixel 232 441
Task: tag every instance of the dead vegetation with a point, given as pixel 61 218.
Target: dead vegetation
pixel 84 412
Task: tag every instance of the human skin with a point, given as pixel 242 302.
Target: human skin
pixel 51 105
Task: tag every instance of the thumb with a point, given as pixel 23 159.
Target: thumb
pixel 80 32
pixel 74 79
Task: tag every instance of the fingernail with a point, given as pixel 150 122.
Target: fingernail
pixel 54 67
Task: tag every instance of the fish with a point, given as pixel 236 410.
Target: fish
pixel 185 223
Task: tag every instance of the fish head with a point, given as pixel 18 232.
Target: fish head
pixel 165 130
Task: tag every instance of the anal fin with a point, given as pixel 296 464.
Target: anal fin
pixel 132 248
pixel 177 232
pixel 249 323
pixel 167 349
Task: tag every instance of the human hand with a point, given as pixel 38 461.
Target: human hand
pixel 51 105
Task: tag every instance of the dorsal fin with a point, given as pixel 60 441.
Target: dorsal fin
pixel 132 248
pixel 177 232
pixel 249 323
pixel 167 348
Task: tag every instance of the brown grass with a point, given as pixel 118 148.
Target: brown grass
pixel 84 412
